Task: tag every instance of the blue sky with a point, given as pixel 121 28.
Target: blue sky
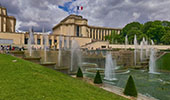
pixel 67 7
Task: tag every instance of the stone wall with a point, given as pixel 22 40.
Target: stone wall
pixel 119 46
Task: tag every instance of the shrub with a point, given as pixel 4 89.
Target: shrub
pixel 130 88
pixel 97 79
pixel 79 73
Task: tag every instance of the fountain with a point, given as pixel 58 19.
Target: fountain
pixel 45 46
pixel 65 44
pixel 142 44
pixel 135 51
pixel 146 48
pixel 109 68
pixel 76 59
pixel 141 51
pixel 30 41
pixel 126 41
pixel 68 42
pixel 152 64
pixel 59 52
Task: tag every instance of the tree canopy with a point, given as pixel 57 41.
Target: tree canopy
pixel 158 31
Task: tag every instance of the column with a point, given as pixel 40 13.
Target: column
pixel 22 38
pixel 0 22
pixel 52 40
pixel 98 33
pixel 91 33
pixel 4 24
pixel 118 32
pixel 41 37
pixel 35 39
pixel 109 32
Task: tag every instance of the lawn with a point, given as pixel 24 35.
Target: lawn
pixel 23 80
pixel 163 63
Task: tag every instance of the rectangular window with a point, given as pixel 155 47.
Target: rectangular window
pixel 38 41
pixel 103 46
pixel 78 31
pixel 90 33
pixel 93 33
pixel 26 41
pixel 97 34
pixel 50 42
pixel 6 41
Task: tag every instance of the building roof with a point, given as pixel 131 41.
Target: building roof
pixel 78 17
pixel 72 16
pixel 109 28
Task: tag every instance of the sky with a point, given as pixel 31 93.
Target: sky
pixel 104 13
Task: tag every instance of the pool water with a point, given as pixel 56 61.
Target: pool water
pixel 155 85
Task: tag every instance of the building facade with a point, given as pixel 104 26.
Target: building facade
pixel 72 27
pixel 7 23
pixel 75 25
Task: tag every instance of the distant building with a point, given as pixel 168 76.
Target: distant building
pixel 75 25
pixel 7 23
pixel 72 27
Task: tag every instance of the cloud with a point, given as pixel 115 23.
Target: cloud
pixel 38 13
pixel 107 13
pixel 117 13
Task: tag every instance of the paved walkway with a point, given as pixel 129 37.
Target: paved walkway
pixel 117 90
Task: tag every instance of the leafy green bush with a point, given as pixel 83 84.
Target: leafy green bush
pixel 97 79
pixel 79 73
pixel 130 88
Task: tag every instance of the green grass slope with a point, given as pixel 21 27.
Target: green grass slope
pixel 23 80
pixel 163 63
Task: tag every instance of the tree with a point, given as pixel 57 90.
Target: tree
pixel 166 38
pixel 132 33
pixel 151 30
pixel 131 26
pixel 131 30
pixel 155 33
pixel 79 73
pixel 97 79
pixel 130 88
pixel 146 26
pixel 114 38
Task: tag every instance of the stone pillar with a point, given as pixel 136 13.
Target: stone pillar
pixel 95 34
pixel 98 33
pixel 0 22
pixel 83 31
pixel 92 30
pixel 118 31
pixel 41 37
pixel 35 39
pixel 52 40
pixel 4 24
pixel 22 38
pixel 13 25
pixel 109 32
